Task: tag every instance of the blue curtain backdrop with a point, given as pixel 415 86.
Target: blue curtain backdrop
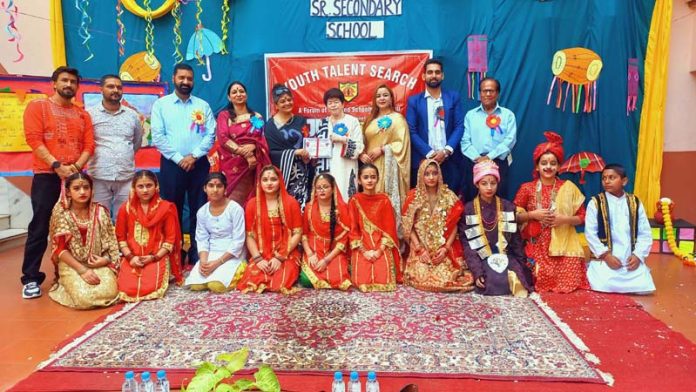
pixel 523 35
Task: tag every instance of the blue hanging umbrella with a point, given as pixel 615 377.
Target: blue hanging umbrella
pixel 202 44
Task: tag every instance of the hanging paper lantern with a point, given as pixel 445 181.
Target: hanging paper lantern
pixel 477 50
pixel 578 69
pixel 633 79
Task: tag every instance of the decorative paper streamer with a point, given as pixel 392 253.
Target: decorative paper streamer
pixel 121 30
pixel 579 68
pixel 199 26
pixel 223 25
pixel 12 11
pixel 477 49
pixel 176 14
pixel 633 80
pixel 149 31
pixel 85 21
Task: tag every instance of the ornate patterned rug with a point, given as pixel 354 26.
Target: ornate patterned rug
pixel 406 332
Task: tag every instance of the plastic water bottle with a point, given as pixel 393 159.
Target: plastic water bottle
pixel 354 383
pixel 338 385
pixel 129 385
pixel 146 385
pixel 371 385
pixel 162 382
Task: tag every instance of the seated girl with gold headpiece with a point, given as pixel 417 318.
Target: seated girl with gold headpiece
pixel 430 216
pixel 83 247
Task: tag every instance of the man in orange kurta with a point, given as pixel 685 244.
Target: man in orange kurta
pixel 62 139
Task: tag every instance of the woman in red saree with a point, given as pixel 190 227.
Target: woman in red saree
pixel 149 236
pixel 326 224
pixel 431 213
pixel 375 259
pixel 274 229
pixel 242 146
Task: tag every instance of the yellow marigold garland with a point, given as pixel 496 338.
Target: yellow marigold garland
pixel 687 258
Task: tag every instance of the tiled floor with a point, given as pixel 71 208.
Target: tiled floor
pixel 34 327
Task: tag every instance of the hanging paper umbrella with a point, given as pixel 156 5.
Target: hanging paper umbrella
pixel 202 45
pixel 583 162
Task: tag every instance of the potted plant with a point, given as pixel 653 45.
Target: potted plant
pixel 211 377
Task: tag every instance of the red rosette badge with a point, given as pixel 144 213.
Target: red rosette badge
pixel 493 122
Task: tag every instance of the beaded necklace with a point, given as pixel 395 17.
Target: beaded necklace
pixel 502 242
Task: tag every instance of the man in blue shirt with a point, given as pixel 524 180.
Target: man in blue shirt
pixel 490 133
pixel 183 130
pixel 435 123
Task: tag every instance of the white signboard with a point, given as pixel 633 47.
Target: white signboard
pixel 352 8
pixel 355 30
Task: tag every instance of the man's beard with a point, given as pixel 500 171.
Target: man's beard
pixel 66 93
pixel 184 89
pixel 109 99
pixel 434 83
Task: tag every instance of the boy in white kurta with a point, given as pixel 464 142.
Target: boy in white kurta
pixel 618 233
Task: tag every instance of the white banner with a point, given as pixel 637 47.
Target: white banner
pixel 355 30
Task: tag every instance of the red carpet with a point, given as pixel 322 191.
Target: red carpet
pixel 641 353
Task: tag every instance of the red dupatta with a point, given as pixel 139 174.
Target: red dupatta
pixel 258 222
pixel 323 229
pixel 158 211
pixel 379 212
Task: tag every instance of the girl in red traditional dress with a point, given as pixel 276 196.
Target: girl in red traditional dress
pixel 552 208
pixel 274 229
pixel 149 236
pixel 375 259
pixel 326 224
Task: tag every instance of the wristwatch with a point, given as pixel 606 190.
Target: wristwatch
pixel 55 165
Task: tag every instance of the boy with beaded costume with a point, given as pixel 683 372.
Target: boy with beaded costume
pixel 492 244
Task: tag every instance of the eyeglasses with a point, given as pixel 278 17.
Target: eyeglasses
pixel 488 91
pixel 323 188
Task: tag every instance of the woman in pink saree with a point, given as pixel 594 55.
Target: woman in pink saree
pixel 242 146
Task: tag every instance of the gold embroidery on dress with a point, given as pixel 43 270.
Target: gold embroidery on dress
pixel 141 234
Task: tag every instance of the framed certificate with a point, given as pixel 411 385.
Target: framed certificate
pixel 318 147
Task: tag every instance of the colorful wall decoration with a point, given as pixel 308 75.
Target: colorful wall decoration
pixel 477 51
pixel 577 69
pixel 16 92
pixel 522 38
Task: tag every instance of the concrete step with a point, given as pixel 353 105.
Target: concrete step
pixel 4 221
pixel 12 238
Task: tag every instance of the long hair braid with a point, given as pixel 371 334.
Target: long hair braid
pixel 332 219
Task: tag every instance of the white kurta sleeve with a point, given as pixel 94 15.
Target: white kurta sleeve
pixel 596 246
pixel 202 234
pixel 236 217
pixel 644 235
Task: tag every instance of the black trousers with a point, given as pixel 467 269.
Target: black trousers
pixel 469 190
pixel 176 184
pixel 45 191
